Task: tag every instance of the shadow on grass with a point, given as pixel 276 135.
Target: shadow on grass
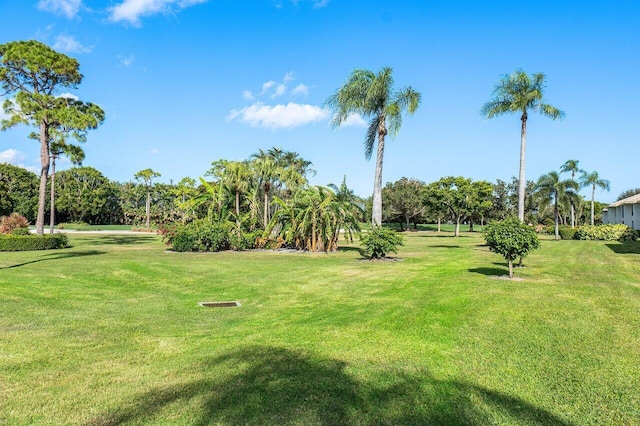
pixel 490 272
pixel 123 239
pixel 627 247
pixel 274 386
pixel 453 246
pixel 57 256
pixel 350 249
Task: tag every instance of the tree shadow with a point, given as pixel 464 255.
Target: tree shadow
pixel 444 246
pixel 349 249
pixel 489 271
pixel 113 239
pixel 275 386
pixel 57 256
pixel 626 247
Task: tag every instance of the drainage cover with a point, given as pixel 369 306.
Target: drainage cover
pixel 232 304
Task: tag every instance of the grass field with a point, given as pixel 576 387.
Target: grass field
pixel 109 332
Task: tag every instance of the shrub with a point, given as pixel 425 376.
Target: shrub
pixel 608 232
pixel 20 231
pixel 33 242
pixel 567 233
pixel 379 241
pixel 11 222
pixel 204 236
pixel 511 239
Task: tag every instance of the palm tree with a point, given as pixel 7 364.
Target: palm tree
pixel 571 166
pixel 520 93
pixel 373 95
pixel 593 180
pixel 551 188
pixel 267 172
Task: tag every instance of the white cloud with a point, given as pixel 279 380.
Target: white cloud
pixel 154 151
pixel 69 96
pixel 248 95
pixel 278 116
pixel 266 86
pixel 68 44
pixel 12 156
pixel 126 60
pixel 280 90
pixel 300 89
pixel 290 76
pixel 68 8
pixel 131 10
pixel 354 120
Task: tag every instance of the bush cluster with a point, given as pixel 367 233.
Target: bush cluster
pixel 13 222
pixel 380 241
pixel 12 242
pixel 608 232
pixel 206 236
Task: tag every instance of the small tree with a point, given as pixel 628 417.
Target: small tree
pixel 380 241
pixel 511 239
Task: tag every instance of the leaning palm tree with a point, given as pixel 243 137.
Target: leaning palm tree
pixel 571 166
pixel 373 95
pixel 552 189
pixel 593 180
pixel 520 93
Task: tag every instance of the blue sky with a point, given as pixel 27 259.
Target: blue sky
pixel 187 82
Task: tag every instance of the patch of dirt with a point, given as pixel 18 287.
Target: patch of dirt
pixel 506 277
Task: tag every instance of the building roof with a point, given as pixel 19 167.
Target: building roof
pixel 634 199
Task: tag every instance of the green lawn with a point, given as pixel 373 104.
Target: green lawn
pixel 109 332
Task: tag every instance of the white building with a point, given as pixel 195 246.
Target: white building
pixel 625 211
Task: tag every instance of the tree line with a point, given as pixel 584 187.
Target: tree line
pixel 265 192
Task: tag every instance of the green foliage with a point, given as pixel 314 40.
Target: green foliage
pixel 511 239
pixel 379 241
pixel 12 222
pixel 567 233
pixel 20 231
pixel 206 236
pixel 609 232
pixel 13 242
pixel 18 191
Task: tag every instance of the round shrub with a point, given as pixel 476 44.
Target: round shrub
pixel 567 233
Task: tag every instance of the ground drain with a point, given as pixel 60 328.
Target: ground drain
pixel 232 304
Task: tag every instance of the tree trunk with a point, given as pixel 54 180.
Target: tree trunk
pixel 573 216
pixel 52 211
pixel 521 180
pixel 511 269
pixel 238 204
pixel 407 219
pixel 457 233
pixel 148 207
pixel 266 209
pixel 376 216
pixel 593 195
pixel 557 213
pixel 439 224
pixel 44 174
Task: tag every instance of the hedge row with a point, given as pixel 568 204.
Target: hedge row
pixel 609 232
pixel 33 242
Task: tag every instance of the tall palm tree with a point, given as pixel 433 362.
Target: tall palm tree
pixel 571 166
pixel 593 180
pixel 373 95
pixel 267 172
pixel 520 93
pixel 551 188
